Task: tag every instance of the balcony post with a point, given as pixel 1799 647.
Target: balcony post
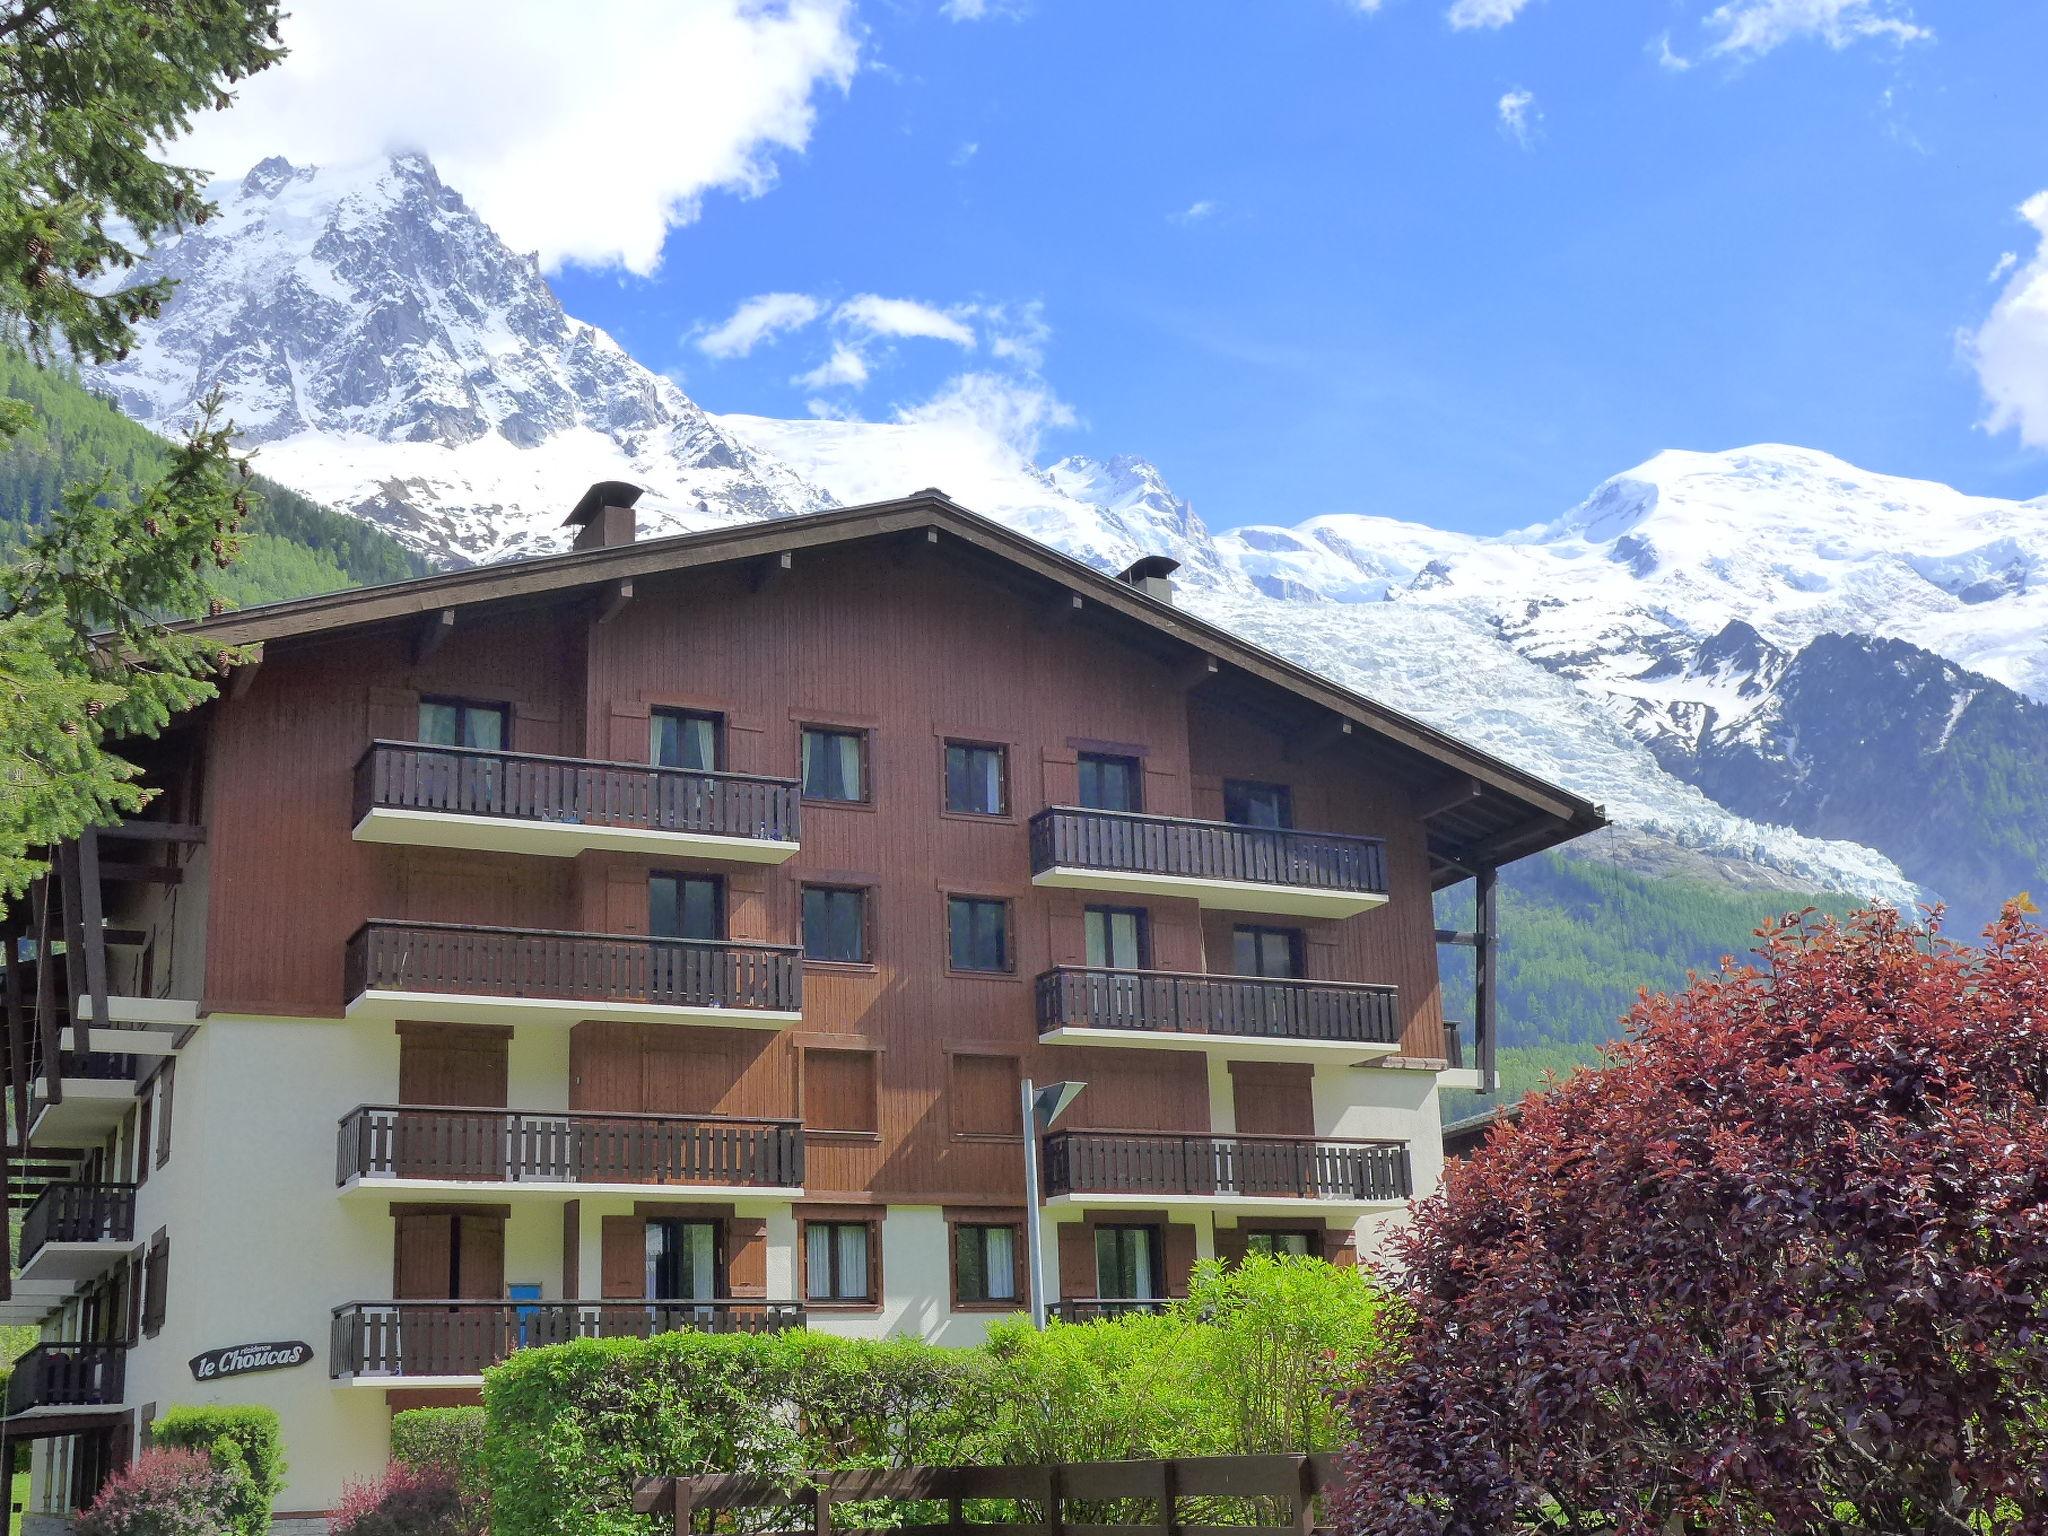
pixel 1486 979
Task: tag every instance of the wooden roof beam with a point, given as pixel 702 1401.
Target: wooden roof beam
pixel 432 634
pixel 613 602
pixel 243 677
pixel 1452 795
pixel 1197 671
pixel 769 570
pixel 1324 732
pixel 1062 610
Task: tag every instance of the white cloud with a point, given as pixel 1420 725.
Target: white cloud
pixel 1669 58
pixel 982 10
pixel 2007 260
pixel 1017 333
pixel 966 152
pixel 877 316
pixel 2010 349
pixel 1016 413
pixel 1200 209
pixel 1754 27
pixel 586 142
pixel 1467 14
pixel 759 319
pixel 1520 117
pixel 845 368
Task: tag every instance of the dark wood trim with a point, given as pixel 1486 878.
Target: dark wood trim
pixel 424 1027
pixel 869 1217
pixel 685 1210
pixel 1012 1217
pixel 448 1208
pixel 1135 749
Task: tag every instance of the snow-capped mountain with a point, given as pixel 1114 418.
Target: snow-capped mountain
pixel 391 357
pixel 386 353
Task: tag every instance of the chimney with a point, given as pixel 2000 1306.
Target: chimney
pixel 1152 576
pixel 604 517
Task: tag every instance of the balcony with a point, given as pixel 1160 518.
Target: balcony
pixel 1253 1174
pixel 521 802
pixel 73 1233
pixel 1216 863
pixel 464 975
pixel 98 1088
pixel 64 1378
pixel 450 1343
pixel 1247 1018
pixel 490 1153
pixel 1096 1309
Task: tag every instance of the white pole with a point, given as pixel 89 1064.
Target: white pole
pixel 1034 1244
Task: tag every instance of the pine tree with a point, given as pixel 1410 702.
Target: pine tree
pixel 89 92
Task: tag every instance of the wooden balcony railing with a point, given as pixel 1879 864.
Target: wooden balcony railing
pixel 68 1376
pixel 1155 1163
pixel 78 1213
pixel 577 967
pixel 516 1146
pixel 461 1338
pixel 526 786
pixel 1094 1309
pixel 1181 1002
pixel 1064 836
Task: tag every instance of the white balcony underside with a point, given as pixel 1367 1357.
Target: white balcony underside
pixel 1232 1047
pixel 560 839
pixel 137 1026
pixel 61 1268
pixel 498 1191
pixel 1225 895
pixel 1246 1205
pixel 1458 1077
pixel 468 1008
pixel 90 1108
pixel 408 1383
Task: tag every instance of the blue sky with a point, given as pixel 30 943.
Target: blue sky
pixel 1310 258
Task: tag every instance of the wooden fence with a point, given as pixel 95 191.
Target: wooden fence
pixel 1062 1499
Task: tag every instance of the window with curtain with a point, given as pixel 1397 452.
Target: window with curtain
pixel 682 1260
pixel 976 779
pixel 984 1263
pixel 463 723
pixel 1270 952
pixel 835 923
pixel 836 1264
pixel 1109 783
pixel 1116 938
pixel 1276 1243
pixel 978 934
pixel 1257 805
pixel 834 765
pixel 684 738
pixel 1127 1263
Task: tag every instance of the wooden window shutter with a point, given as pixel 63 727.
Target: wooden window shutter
pixel 625 1258
pixel 166 1080
pixel 983 1096
pixel 156 1268
pixel 746 1266
pixel 1077 1259
pixel 1273 1098
pixel 1230 1244
pixel 1177 1247
pixel 1340 1246
pixel 839 1091
pixel 144 1135
pixel 482 1276
pixel 572 1250
pixel 423 1253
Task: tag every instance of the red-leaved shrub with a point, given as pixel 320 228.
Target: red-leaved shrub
pixel 163 1493
pixel 407 1501
pixel 1782 1267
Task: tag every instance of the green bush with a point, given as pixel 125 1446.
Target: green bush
pixel 243 1441
pixel 1240 1366
pixel 450 1440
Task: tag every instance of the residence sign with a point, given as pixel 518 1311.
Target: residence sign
pixel 241 1359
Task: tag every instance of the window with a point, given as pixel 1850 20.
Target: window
pixel 1270 952
pixel 834 764
pixel 984 1095
pixel 835 923
pixel 1110 783
pixel 985 1264
pixel 837 1259
pixel 463 723
pixel 977 779
pixel 977 934
pixel 1275 1244
pixel 839 1091
pixel 686 906
pixel 683 738
pixel 682 1260
pixel 1117 938
pixel 1257 805
pixel 1127 1263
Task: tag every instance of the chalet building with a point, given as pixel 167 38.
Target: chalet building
pixel 659 935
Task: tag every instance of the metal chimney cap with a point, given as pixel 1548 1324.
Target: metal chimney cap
pixel 605 493
pixel 1159 566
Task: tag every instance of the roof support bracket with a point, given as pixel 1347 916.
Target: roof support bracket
pixel 432 634
pixel 769 570
pixel 614 600
pixel 1325 732
pixel 1197 671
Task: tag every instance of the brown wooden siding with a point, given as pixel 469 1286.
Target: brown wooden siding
pixel 913 653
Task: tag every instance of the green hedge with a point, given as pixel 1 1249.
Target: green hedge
pixel 241 1439
pixel 1244 1364
pixel 451 1439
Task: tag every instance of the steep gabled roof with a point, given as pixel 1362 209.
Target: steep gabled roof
pixel 1480 810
